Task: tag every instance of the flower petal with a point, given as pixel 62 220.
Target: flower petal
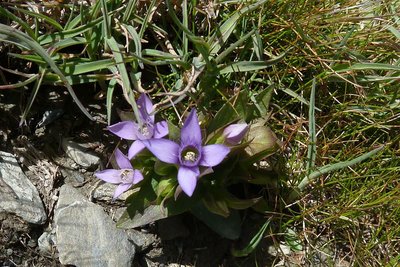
pixel 121 189
pixel 191 132
pixel 122 160
pixel 124 129
pixel 135 148
pixel 145 107
pixel 109 175
pixel 137 177
pixel 234 133
pixel 160 129
pixel 187 178
pixel 165 150
pixel 212 155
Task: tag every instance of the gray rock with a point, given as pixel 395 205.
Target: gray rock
pixel 80 154
pixel 86 236
pixel 106 191
pixel 150 214
pixel 46 242
pixel 17 193
pixel 73 177
pixel 141 240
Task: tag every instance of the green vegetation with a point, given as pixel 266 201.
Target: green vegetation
pixel 322 75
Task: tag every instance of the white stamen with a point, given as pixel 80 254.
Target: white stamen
pixel 190 156
pixel 125 176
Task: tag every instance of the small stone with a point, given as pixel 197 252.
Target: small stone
pixel 105 192
pixel 86 236
pixel 46 242
pixel 283 249
pixel 141 240
pixel 9 252
pixel 32 243
pixel 80 154
pixel 17 193
pixel 72 177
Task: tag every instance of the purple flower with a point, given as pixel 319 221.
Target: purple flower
pixel 189 154
pixel 132 131
pixel 126 176
pixel 234 133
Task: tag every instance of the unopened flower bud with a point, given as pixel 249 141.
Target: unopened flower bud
pixel 234 133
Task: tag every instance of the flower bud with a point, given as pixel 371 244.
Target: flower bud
pixel 234 133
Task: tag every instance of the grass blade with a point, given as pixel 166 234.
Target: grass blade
pixel 110 91
pixel 45 18
pixel 126 86
pixel 336 166
pixel 20 84
pixel 32 97
pixel 226 29
pixel 253 242
pixel 244 66
pixel 32 44
pixel 312 146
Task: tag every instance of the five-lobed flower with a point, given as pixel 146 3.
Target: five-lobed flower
pixel 189 154
pixel 130 130
pixel 125 177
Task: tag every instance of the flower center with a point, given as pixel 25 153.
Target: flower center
pixel 145 130
pixel 126 176
pixel 190 156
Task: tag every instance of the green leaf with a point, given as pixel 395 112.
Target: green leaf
pixel 174 133
pixel 245 66
pixel 126 86
pixel 229 227
pixel 224 31
pixel 49 38
pixel 297 96
pixel 292 240
pixel 159 54
pixel 20 84
pixel 79 67
pixel 262 100
pixel 336 166
pixel 230 112
pixel 253 242
pixel 312 146
pixel 216 204
pixel 17 20
pixel 233 46
pixel 110 92
pixel 240 204
pixel 162 168
pixel 137 42
pixel 365 66
pixel 41 16
pixel 166 186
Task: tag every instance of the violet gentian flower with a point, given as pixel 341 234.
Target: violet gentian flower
pixel 130 130
pixel 189 155
pixel 126 176
pixel 234 133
